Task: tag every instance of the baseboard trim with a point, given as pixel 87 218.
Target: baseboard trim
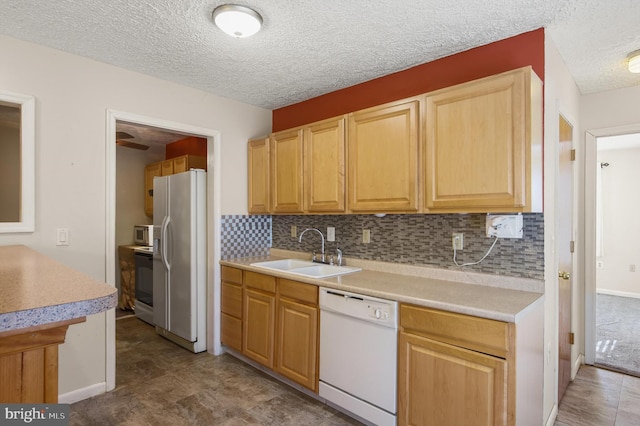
pixel 618 293
pixel 576 366
pixel 552 417
pixel 83 393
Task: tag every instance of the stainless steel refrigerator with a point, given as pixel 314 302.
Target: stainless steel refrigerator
pixel 180 259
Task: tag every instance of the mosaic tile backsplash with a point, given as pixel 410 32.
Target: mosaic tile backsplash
pixel 245 236
pixel 411 239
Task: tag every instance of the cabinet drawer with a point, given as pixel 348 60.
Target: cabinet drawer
pixel 260 281
pixel 232 275
pixel 479 334
pixel 231 299
pixel 307 293
pixel 231 331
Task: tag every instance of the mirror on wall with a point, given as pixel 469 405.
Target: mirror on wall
pixel 17 162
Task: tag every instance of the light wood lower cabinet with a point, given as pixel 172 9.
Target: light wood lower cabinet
pixel 297 332
pixel 456 369
pixel 231 308
pixel 259 318
pixel 452 368
pixel 441 384
pixel 29 363
pixel 273 322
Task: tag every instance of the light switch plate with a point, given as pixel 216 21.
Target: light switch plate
pixel 62 237
pixel 366 236
pixel 331 233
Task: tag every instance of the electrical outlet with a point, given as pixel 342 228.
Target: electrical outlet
pixel 457 240
pixel 632 268
pixel 294 231
pixel 331 233
pixel 366 236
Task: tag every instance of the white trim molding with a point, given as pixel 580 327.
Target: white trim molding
pixel 213 224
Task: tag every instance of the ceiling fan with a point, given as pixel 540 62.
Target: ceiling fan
pixel 120 136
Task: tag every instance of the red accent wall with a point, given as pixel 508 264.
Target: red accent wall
pixel 190 145
pixel 504 55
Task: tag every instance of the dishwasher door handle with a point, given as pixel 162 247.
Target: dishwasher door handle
pixel 346 296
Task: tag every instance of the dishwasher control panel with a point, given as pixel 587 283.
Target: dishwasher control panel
pixel 366 308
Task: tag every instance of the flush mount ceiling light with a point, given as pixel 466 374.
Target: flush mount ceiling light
pixel 237 21
pixel 634 61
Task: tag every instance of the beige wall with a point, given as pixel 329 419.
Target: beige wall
pixel 72 96
pixel 620 206
pixel 561 97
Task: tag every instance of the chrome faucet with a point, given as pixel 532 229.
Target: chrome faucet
pixel 321 235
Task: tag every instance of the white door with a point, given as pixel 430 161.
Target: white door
pixel 564 232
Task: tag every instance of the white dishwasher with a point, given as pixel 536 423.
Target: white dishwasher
pixel 358 354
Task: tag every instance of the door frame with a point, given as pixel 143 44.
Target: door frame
pixel 213 223
pixel 590 161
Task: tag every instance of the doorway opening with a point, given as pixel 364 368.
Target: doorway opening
pixel 131 138
pixel 617 254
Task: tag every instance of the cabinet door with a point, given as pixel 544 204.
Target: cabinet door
pixel 167 167
pixel 258 175
pixel 383 158
pixel 150 171
pixel 297 343
pixel 231 315
pixel 258 327
pixel 286 172
pixel 481 140
pixel 441 384
pixel 324 166
pixel 180 164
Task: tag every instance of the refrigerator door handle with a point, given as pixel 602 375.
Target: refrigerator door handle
pixel 163 251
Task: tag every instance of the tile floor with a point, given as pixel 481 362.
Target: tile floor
pixel 159 383
pixel 599 397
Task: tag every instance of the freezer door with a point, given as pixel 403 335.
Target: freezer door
pixel 181 242
pixel 160 265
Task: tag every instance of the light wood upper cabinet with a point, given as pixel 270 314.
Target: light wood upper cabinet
pixel 286 164
pixel 172 166
pixel 258 167
pixel 383 158
pixel 150 171
pixel 324 166
pixel 167 167
pixel 484 145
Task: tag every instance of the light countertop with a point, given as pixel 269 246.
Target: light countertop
pixel 481 295
pixel 36 290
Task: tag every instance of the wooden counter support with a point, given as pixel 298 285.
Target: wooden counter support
pixel 29 363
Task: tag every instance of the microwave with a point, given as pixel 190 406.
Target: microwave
pixel 143 235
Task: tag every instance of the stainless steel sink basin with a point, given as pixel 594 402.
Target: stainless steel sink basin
pixel 306 268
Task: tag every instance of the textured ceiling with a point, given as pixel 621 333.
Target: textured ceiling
pixel 308 47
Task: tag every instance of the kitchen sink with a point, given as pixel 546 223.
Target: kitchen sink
pixel 284 264
pixel 306 268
